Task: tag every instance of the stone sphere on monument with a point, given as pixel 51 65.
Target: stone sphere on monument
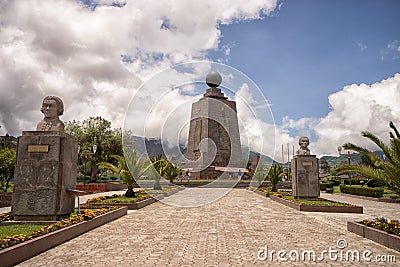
pixel 213 79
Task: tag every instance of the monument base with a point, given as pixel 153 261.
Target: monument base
pixel 305 181
pixel 213 173
pixel 46 169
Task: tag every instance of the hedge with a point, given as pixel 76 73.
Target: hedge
pixel 324 185
pixel 362 191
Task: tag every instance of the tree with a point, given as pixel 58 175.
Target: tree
pixel 385 171
pixel 172 170
pixel 158 170
pixel 8 160
pixel 366 160
pixel 96 131
pixel 137 167
pixel 324 166
pixel 7 142
pixel 275 176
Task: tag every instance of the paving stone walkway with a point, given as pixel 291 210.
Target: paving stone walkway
pixel 233 231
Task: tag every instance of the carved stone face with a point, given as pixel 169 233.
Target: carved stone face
pixel 49 108
pixel 304 142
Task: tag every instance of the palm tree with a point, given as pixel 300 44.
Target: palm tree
pixel 158 170
pixel 386 171
pixel 137 167
pixel 275 176
pixel 171 171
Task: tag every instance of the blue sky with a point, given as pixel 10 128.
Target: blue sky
pixel 329 69
pixel 310 49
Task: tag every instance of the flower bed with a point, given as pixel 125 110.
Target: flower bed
pixel 379 230
pixel 142 199
pixel 303 205
pixel 115 198
pixel 18 248
pixel 262 192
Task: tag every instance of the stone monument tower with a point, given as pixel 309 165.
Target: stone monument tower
pixel 46 168
pixel 214 142
pixel 305 182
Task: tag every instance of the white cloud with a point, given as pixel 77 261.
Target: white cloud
pixel 391 51
pixel 362 46
pixel 359 108
pixel 95 58
pixel 356 108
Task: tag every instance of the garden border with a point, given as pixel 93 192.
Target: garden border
pixel 310 208
pixel 172 192
pixel 258 192
pixel 28 249
pixel 376 235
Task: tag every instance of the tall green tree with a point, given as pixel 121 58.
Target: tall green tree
pixel 96 131
pixel 8 160
pixel 275 176
pixel 385 170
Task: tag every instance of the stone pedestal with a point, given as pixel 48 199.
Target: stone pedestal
pixel 46 168
pixel 305 181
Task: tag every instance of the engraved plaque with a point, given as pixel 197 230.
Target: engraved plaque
pixel 307 163
pixel 38 148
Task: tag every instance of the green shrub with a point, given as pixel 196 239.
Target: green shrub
pixel 362 191
pixel 112 177
pixel 81 178
pixel 336 182
pixel 325 184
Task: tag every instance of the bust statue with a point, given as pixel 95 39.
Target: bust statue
pixel 52 107
pixel 303 142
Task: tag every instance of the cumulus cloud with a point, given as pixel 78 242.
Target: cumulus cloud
pixel 356 108
pixel 95 54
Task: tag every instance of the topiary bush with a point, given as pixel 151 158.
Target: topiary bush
pixel 325 184
pixel 362 191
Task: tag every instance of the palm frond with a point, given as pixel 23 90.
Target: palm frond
pixel 379 143
pixel 391 125
pixel 111 167
pixel 366 171
pixel 395 145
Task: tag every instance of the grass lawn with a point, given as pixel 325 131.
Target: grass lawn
pixel 336 189
pixel 319 202
pixel 26 229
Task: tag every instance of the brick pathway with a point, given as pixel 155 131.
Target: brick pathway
pixel 228 232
